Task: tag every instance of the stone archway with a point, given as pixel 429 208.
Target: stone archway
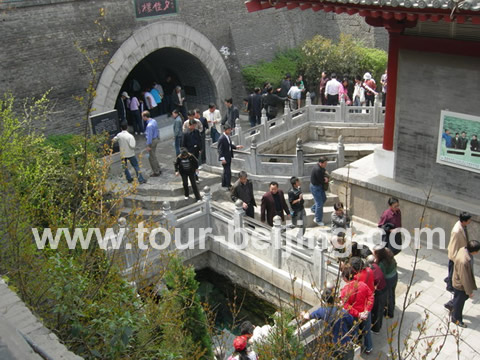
pixel 155 36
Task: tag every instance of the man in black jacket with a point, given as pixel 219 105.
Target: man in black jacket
pixel 225 154
pixel 254 107
pixel 232 114
pixel 243 190
pixel 186 165
pixel 199 117
pixel 474 144
pixel 192 141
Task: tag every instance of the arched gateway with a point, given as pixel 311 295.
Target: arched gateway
pixel 174 37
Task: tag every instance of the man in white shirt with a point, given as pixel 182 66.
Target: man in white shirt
pixel 214 118
pixel 332 90
pixel 151 103
pixel 126 141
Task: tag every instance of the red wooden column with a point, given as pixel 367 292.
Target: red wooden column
pixel 392 72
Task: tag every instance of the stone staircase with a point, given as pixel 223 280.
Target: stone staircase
pixel 149 198
pixel 224 198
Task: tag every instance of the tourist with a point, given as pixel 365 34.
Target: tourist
pixel 343 92
pixel 225 155
pixel 186 123
pixel 339 325
pixel 383 81
pixel 271 103
pixel 186 165
pixel 386 261
pixel 295 199
pixel 126 142
pixel 463 281
pixel 177 130
pixel 370 86
pixel 232 114
pixel 254 107
pixel 285 86
pixel 458 240
pixel 390 222
pixel 214 118
pixel 204 122
pixel 169 88
pixel 295 96
pixel 158 99
pixel 448 138
pixel 192 141
pixel 340 221
pixel 380 294
pixel 243 190
pixel 121 107
pixel 323 84
pixel 153 138
pixel 161 105
pixel 134 106
pixel 273 204
pixel 178 100
pixel 358 93
pixel 332 90
pixel 318 183
pixel 357 299
pixel 150 102
pixel 365 274
pixel 241 351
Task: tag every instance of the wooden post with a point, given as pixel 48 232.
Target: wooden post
pixel 277 242
pixel 340 152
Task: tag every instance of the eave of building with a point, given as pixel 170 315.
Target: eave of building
pixel 377 11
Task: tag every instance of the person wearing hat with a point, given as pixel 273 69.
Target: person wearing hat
pixel 122 107
pixel 225 155
pixel 241 352
pixel 370 86
pixel 186 165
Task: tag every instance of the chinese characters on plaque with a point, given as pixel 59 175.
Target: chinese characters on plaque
pixel 148 8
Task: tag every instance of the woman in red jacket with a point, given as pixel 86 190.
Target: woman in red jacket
pixel 358 299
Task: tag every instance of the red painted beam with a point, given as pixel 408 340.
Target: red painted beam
pixel 447 18
pixel 280 5
pixel 328 8
pixel 339 9
pixel 317 7
pixel 387 15
pixel 423 17
pixel 476 20
pixel 305 6
pixel 376 14
pixel 399 16
pixel 253 6
pixel 363 12
pixel 292 5
pixel 412 17
pixel 351 11
pixel 435 17
pixel 266 5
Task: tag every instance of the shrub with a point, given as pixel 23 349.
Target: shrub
pixel 273 71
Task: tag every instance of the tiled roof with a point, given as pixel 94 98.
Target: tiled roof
pixel 402 5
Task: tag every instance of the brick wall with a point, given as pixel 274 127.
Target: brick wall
pixel 431 83
pixel 37 51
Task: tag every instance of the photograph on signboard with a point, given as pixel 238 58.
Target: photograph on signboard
pixel 458 141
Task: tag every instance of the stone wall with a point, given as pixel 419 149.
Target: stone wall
pixel 37 52
pixel 431 83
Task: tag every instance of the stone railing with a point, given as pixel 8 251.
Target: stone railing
pixel 299 164
pixel 268 247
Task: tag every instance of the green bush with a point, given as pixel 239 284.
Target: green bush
pixel 273 71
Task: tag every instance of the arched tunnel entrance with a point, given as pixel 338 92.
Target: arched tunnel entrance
pixel 161 49
pixel 184 69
